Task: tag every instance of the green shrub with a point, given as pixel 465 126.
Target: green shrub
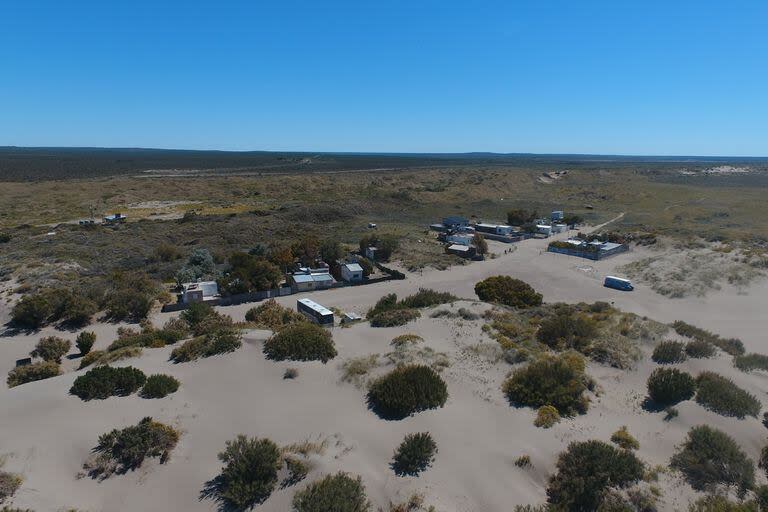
pixel 555 381
pixel 670 413
pixel 9 484
pixel 567 329
pixel 159 386
pixel 78 309
pixel 334 493
pixel 669 352
pixel 523 461
pixel 730 346
pixel 719 503
pixel 52 349
pixel 508 291
pixel 546 417
pixel 33 311
pixel 669 386
pixel 699 349
pixel 105 381
pixel 273 316
pixel 414 455
pixel 586 470
pixel 301 342
pixel 196 313
pixel 394 318
pixel 221 341
pixel 425 298
pixel 721 395
pixel 102 357
pixel 120 451
pixel 386 303
pixel 624 439
pixel 85 341
pixel 406 339
pixel 32 372
pixel 709 458
pixel 749 362
pixel 128 304
pixel 407 390
pixel 249 474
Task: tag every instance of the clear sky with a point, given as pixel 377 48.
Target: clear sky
pixel 672 77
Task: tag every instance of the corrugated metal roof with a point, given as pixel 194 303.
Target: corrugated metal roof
pixel 457 247
pixel 354 267
pixel 302 278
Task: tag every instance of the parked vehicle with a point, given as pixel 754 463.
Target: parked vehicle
pixel 618 283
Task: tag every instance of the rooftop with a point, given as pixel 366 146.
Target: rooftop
pixel 354 267
pixel 316 307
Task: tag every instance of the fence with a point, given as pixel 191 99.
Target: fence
pixel 590 255
pixel 242 298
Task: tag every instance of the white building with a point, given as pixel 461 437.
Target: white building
pixel 199 292
pixel 351 272
pixel 496 229
pixel 544 229
pixel 308 279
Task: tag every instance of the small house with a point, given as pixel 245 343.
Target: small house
pixel 351 272
pixel 557 216
pixel 494 229
pixel 459 238
pixel 307 279
pixel 199 291
pixel 455 222
pixel 544 229
pixel 371 252
pixel 462 251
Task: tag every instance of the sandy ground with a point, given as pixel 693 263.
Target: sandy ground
pixel 48 434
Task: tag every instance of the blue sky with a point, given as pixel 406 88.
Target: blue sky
pixel 651 77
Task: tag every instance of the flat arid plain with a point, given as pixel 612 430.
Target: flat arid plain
pixel 616 439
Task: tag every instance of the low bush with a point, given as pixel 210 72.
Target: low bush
pixel 669 352
pixel 159 386
pixel 150 337
pixel 52 349
pixel 32 372
pixel 586 470
pixel 9 484
pixel 221 341
pixel 623 439
pixel 546 417
pixel 406 339
pixel 710 458
pixel 85 341
pixel 556 381
pixel 407 390
pixel 125 450
pixel 105 381
pixel 303 341
pixel 719 503
pixel 273 316
pixel 523 461
pixel 102 357
pixel 508 291
pixel 669 386
pixel 414 455
pixel 730 346
pixel 249 474
pixel 749 362
pixel 34 310
pixel 425 298
pixel 337 493
pixel 699 349
pixel 291 373
pixel 671 413
pixel 394 318
pixel 567 329
pixel 721 395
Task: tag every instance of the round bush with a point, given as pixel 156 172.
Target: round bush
pixel 508 291
pixel 407 390
pixel 586 470
pixel 700 349
pixel 249 475
pixel 415 454
pixel 624 439
pixel 273 316
pixel 85 341
pixel 669 386
pixel 710 457
pixel 556 381
pixel 301 342
pixel 394 317
pixel 105 381
pixel 567 330
pixel 546 417
pixel 52 349
pixel 159 386
pixel 334 493
pixel 721 395
pixel 669 352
